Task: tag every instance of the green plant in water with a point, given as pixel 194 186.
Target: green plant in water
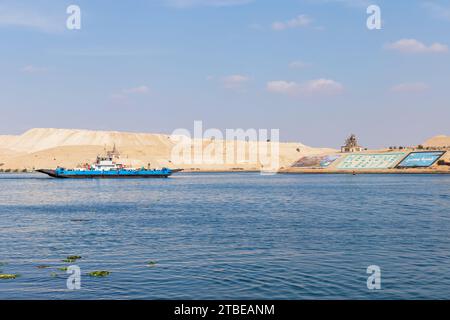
pixel 152 263
pixel 99 273
pixel 8 276
pixel 71 259
pixel 63 269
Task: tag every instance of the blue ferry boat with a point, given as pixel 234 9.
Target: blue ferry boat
pixel 105 168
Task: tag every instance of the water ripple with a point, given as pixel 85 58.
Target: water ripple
pixel 227 236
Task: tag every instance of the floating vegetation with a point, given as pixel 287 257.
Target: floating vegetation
pixel 63 269
pixel 74 257
pixel 151 263
pixel 99 273
pixel 8 276
pixel 53 275
pixel 43 266
pixel 71 259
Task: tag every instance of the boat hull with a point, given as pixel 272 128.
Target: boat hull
pixel 106 175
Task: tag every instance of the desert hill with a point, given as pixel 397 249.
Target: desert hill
pixel 49 148
pixel 42 139
pixel 438 141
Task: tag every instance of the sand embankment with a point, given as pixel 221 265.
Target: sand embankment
pixel 441 141
pixel 393 168
pixel 431 170
pixel 49 148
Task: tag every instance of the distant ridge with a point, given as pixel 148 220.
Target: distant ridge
pixel 46 138
pixel 438 141
pixel 49 147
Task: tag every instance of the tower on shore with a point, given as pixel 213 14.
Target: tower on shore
pixel 351 145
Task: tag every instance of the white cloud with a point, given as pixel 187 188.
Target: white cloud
pixel 349 3
pixel 123 95
pixel 12 15
pixel 33 69
pixel 137 90
pixel 416 87
pixel 415 46
pixel 282 86
pixel 210 3
pixel 235 81
pixel 300 21
pixel 313 87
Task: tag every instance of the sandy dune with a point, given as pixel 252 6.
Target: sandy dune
pixel 49 148
pixel 43 139
pixel 438 141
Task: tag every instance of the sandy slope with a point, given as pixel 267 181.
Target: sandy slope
pixel 6 141
pixel 42 139
pixel 438 141
pixel 48 148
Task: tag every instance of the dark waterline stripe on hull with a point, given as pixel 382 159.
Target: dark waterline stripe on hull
pixel 114 177
pixel 53 174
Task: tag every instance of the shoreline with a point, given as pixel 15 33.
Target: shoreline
pixel 358 172
pixel 305 171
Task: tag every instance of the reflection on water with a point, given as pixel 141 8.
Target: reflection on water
pixel 227 236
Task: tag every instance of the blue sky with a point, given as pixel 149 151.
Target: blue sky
pixel 308 67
